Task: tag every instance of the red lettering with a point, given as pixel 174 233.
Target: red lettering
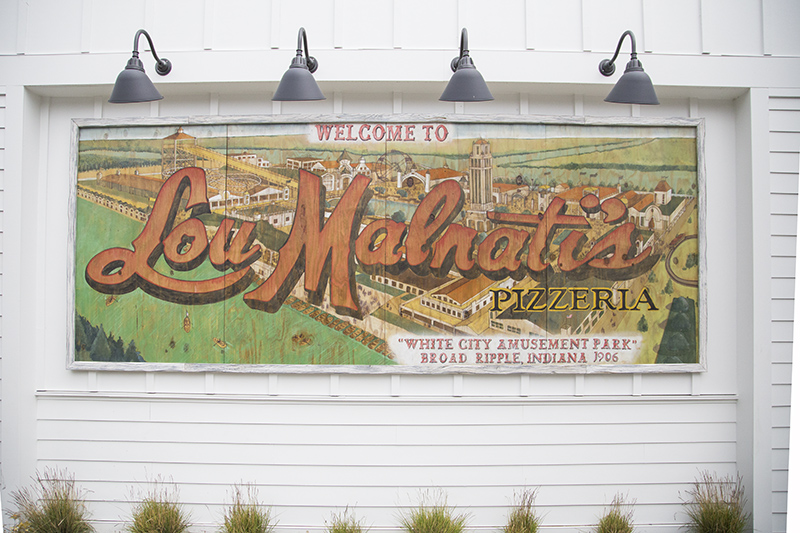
pixel 590 204
pixel 615 210
pixel 441 132
pixel 455 246
pixel 379 244
pixel 409 133
pixel 546 224
pixel 350 133
pixel 435 212
pixel 364 136
pixel 375 132
pixel 427 128
pixel 394 133
pixel 499 253
pixel 608 258
pixel 321 250
pixel 120 270
pixel 339 133
pixel 324 131
pixel 326 251
pixel 187 245
pixel 233 251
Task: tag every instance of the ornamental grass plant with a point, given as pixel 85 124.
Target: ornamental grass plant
pixel 522 517
pixel 433 515
pixel 246 514
pixel 618 518
pixel 717 505
pixel 345 522
pixel 159 512
pixel 52 505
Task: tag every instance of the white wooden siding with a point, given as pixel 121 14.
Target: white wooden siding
pixel 784 123
pixel 317 443
pixel 314 444
pixel 309 456
pixel 2 212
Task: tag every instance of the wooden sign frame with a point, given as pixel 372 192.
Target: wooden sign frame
pixel 388 244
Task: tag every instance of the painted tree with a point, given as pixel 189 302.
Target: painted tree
pixel 132 354
pixel 100 350
pixel 668 288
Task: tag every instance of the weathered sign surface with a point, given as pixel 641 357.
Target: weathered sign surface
pixel 412 245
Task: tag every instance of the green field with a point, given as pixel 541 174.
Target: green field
pixel 249 336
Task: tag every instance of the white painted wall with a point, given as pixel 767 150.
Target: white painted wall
pixel 314 444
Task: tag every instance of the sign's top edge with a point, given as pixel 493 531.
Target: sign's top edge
pixel 394 118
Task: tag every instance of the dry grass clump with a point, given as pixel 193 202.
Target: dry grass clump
pixel 618 518
pixel 52 505
pixel 433 515
pixel 246 514
pixel 159 512
pixel 345 522
pixel 522 517
pixel 717 505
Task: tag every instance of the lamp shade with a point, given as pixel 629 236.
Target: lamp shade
pixel 298 84
pixel 466 84
pixel 634 87
pixel 133 85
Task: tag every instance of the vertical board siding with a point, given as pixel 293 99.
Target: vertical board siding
pixel 784 121
pixel 310 456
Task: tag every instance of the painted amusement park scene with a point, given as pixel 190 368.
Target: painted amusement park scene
pixel 420 244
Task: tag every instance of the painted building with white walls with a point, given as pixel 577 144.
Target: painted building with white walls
pixel 314 444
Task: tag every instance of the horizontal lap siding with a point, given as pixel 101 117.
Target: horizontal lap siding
pixel 2 209
pixel 784 141
pixel 308 457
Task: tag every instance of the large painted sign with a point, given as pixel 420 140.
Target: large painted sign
pixel 396 244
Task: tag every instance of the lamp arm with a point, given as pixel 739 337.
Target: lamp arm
pixel 302 45
pixel 463 50
pixel 163 65
pixel 607 67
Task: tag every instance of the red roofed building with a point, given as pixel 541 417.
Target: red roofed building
pixel 336 175
pixel 663 193
pixel 655 211
pixel 503 192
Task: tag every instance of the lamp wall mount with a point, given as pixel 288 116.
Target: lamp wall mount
pixel 607 66
pixel 302 46
pixel 163 65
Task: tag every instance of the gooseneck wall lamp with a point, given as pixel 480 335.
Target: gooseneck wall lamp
pixel 466 84
pixel 297 84
pixel 634 87
pixel 132 84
